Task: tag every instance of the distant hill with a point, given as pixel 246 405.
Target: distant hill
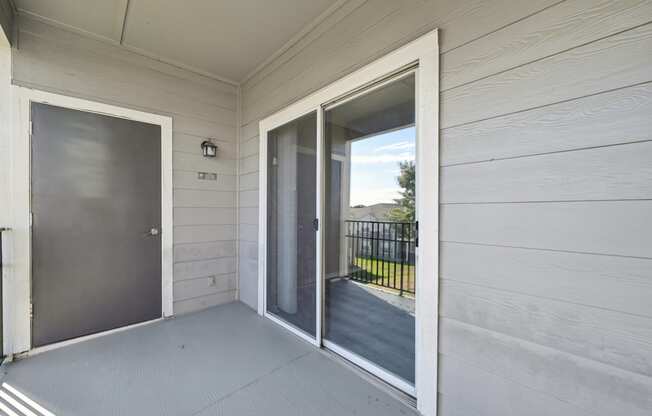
pixel 376 212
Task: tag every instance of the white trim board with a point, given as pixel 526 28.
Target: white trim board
pixel 423 54
pixel 17 324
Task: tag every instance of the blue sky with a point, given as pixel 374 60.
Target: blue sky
pixel 374 166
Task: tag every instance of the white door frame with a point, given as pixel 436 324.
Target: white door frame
pixel 17 290
pixel 424 54
pixel 262 248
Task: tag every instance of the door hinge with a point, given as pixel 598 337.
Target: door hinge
pixel 31 311
pixel 31 218
pixel 315 224
pixel 31 128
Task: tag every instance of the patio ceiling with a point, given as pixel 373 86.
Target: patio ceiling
pixel 225 39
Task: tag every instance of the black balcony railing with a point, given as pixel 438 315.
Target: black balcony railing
pixel 382 253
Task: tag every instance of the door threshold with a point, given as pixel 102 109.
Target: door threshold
pixel 293 329
pixel 61 344
pixel 374 370
pixel 398 394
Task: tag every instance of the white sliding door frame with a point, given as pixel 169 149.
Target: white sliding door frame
pixel 18 291
pixel 262 230
pixel 423 55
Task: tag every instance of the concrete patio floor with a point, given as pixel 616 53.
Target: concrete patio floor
pixel 223 361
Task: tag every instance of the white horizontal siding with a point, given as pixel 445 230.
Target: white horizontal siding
pixel 604 173
pixel 621 228
pixel 248 215
pixel 249 182
pixel 600 281
pixel 587 384
pixel 552 31
pixel 467 389
pixel 617 339
pixel 615 62
pixel 249 147
pixel 202 251
pixel 59 61
pixel 608 118
pixel 361 31
pixel 204 216
pixel 203 268
pixel 248 198
pixel 189 198
pixel 200 287
pixel 203 233
pixel 201 302
pixel 546 261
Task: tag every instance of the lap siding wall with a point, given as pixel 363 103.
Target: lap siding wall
pixel 546 173
pixel 59 61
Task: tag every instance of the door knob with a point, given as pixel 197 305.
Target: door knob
pixel 152 232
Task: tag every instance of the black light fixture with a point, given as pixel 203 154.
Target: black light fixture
pixel 208 148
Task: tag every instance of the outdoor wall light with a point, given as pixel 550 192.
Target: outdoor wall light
pixel 208 148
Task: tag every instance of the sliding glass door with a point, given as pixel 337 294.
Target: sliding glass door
pixel 349 218
pixel 291 292
pixel 370 229
pixel 350 286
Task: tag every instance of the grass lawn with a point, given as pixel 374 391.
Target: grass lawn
pixel 385 273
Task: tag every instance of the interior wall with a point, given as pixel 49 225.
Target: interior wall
pixel 546 191
pixel 55 60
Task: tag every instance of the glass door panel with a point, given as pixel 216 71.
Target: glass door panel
pixel 291 236
pixel 370 228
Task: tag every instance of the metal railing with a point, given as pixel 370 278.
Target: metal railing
pixel 382 253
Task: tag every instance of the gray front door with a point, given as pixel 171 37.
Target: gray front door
pixel 96 196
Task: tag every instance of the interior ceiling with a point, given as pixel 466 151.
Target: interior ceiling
pixel 223 38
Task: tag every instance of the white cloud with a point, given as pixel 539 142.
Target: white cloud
pixel 373 196
pixel 396 146
pixel 382 158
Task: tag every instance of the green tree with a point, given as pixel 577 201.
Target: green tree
pixel 406 208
